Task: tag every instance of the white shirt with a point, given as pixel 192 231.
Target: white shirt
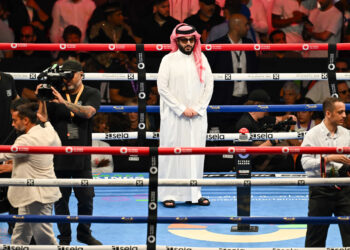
pixel 319 136
pixel 239 62
pixel 330 20
pixel 66 12
pixel 33 166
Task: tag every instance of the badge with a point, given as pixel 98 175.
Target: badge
pixel 72 131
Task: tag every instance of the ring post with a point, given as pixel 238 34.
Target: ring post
pixel 152 200
pixel 243 170
pixel 141 94
pixel 331 71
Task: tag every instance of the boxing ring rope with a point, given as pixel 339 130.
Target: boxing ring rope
pixel 146 151
pixel 166 47
pixel 210 136
pixel 217 77
pixel 181 150
pixel 168 219
pixel 303 181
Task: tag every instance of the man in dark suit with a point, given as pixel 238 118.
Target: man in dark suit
pixel 235 92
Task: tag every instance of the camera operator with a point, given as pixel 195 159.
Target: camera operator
pixel 328 200
pixel 71 113
pixel 259 122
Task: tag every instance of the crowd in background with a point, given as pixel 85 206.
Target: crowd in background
pixel 151 22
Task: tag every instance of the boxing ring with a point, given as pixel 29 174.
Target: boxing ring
pixel 278 201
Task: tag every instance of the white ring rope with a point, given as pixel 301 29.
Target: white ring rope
pixel 210 136
pixel 217 77
pixel 176 182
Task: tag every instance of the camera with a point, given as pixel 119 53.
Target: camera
pixel 53 76
pixel 283 126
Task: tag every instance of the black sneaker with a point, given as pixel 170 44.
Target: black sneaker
pixel 88 240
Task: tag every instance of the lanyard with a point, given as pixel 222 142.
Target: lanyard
pixel 76 99
pixel 308 126
pixel 238 57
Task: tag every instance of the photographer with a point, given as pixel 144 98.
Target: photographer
pixel 71 111
pixel 328 200
pixel 259 122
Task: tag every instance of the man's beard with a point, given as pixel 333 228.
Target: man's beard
pixel 182 49
pixel 165 18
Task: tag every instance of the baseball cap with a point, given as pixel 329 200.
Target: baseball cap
pixel 208 2
pixel 71 65
pixel 259 95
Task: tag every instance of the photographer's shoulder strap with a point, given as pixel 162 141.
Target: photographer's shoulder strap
pixel 76 99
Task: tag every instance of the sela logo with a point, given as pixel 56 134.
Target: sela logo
pixel 69 248
pixel 215 136
pixel 30 182
pixel 6 247
pixel 32 76
pixel 276 76
pixel 117 135
pixel 261 136
pixel 227 76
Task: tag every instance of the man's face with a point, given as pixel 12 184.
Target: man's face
pixel 73 38
pixel 337 116
pixel 207 10
pixel 344 92
pixel 75 82
pixel 186 44
pixel 18 123
pixel 289 96
pixel 27 35
pixel 341 66
pixel 304 116
pixel 116 18
pixel 163 9
pixel 279 38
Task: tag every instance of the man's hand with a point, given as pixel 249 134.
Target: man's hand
pixel 103 163
pixel 6 167
pixel 338 158
pixel 189 112
pixel 58 96
pixel 298 16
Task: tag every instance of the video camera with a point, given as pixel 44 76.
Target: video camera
pixel 52 77
pixel 283 126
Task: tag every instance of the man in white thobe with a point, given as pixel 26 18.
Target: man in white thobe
pixel 185 85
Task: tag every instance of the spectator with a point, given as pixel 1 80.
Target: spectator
pixel 182 9
pixel 259 19
pixel 156 28
pixel 319 90
pixel 101 163
pixel 325 27
pixel 289 16
pixel 7 35
pixel 279 37
pixel 291 92
pixel 205 19
pixel 230 7
pixel 236 92
pixel 260 122
pixel 70 12
pixel 343 91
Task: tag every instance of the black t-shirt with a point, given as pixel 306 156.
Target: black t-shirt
pixel 60 117
pixel 247 121
pixel 7 94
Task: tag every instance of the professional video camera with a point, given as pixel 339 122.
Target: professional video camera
pixel 283 126
pixel 52 76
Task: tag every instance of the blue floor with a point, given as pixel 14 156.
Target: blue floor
pixel 132 201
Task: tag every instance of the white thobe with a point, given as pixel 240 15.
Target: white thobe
pixel 180 88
